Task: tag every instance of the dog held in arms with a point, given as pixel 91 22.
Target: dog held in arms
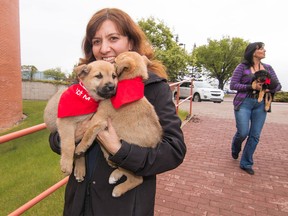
pixel 131 114
pixel 70 110
pixel 264 77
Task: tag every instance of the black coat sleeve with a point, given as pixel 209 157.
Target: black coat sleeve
pixel 170 152
pixel 54 141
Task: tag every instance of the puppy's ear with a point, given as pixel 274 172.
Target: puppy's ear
pixel 146 60
pixel 124 64
pixel 116 68
pixel 120 68
pixel 82 70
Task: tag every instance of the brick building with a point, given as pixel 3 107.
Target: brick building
pixel 10 64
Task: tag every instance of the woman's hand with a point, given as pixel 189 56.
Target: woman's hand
pixel 109 139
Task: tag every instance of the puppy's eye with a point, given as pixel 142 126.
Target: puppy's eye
pixel 99 76
pixel 114 76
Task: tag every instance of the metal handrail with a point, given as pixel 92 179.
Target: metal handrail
pixel 20 133
pixel 46 193
pixel 190 97
pixel 52 189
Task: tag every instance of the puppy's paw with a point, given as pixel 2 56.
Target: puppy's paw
pixel 117 192
pixel 260 99
pixel 112 180
pixel 79 173
pixel 261 95
pixel 79 168
pixel 115 176
pixel 66 166
pixel 80 149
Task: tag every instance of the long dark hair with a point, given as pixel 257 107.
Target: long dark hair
pixel 249 51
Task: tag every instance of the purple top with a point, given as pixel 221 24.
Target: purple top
pixel 241 81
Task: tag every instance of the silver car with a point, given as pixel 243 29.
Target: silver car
pixel 202 91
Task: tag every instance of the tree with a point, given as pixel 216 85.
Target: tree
pixel 195 67
pixel 72 76
pixel 55 73
pixel 30 70
pixel 167 50
pixel 219 58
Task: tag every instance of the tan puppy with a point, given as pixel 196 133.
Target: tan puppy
pixel 68 110
pixel 136 122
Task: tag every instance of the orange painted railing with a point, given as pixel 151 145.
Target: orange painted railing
pixel 177 100
pixel 46 193
pixel 40 197
pixel 24 132
pixel 33 129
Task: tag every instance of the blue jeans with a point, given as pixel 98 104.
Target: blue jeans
pixel 250 119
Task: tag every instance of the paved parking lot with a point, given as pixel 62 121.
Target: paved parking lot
pixel 210 182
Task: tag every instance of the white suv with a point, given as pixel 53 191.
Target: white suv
pixel 202 91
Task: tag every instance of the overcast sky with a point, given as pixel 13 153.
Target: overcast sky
pixel 52 30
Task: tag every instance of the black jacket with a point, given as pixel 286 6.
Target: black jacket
pixel 144 162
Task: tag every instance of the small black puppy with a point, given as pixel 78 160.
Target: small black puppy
pixel 264 77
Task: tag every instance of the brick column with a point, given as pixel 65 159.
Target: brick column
pixel 10 64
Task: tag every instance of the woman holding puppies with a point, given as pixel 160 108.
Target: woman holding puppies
pixel 110 32
pixel 250 114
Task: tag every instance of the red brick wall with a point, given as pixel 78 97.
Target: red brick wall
pixel 10 65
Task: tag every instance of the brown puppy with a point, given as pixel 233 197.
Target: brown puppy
pixel 70 110
pixel 136 121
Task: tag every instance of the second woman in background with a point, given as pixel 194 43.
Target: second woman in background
pixel 250 114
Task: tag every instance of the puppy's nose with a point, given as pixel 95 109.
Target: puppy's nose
pixel 109 87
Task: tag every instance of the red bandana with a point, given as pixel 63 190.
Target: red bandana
pixel 76 101
pixel 267 81
pixel 128 91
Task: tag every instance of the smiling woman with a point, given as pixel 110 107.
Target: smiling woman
pixel 111 32
pixel 107 38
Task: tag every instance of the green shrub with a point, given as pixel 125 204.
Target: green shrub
pixel 281 97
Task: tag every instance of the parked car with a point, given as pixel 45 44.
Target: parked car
pixel 202 91
pixel 229 91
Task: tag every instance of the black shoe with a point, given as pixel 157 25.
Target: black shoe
pixel 248 170
pixel 235 156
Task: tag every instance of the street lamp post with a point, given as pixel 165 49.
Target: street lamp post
pixel 182 44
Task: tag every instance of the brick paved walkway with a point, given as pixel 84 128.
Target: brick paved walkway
pixel 210 182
